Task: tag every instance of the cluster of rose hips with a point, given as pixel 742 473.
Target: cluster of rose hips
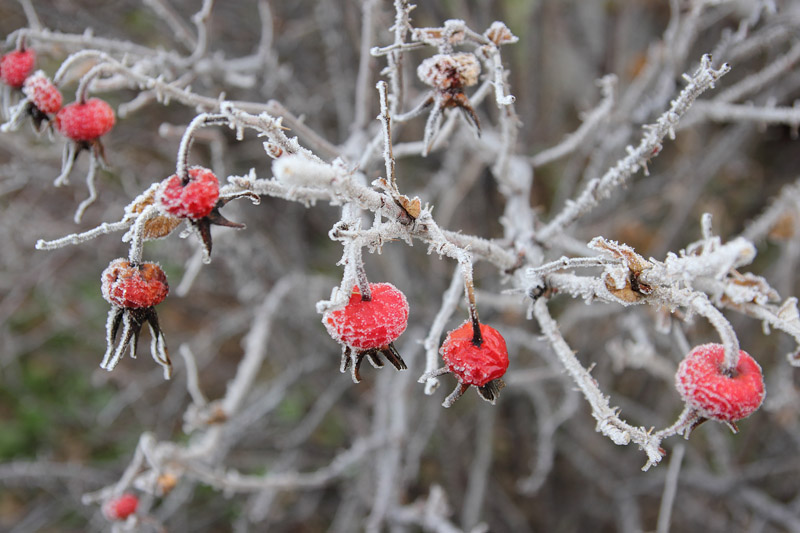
pixel 475 353
pixel 83 122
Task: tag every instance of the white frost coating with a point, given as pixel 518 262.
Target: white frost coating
pixel 301 171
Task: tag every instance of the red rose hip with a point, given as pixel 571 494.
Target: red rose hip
pixel 15 66
pixel 42 93
pixel 85 121
pixel 194 199
pixel 475 364
pixel 365 327
pixel 705 387
pixel 134 287
pixel 121 507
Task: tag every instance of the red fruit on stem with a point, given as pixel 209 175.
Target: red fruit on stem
pixel 121 507
pixel 369 324
pixel 704 385
pixel 42 93
pixel 134 287
pixel 15 66
pixel 85 121
pixel 194 199
pixel 475 364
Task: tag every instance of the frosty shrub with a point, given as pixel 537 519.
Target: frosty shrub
pixel 557 204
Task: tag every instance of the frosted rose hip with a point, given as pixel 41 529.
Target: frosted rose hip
pixel 85 121
pixel 703 385
pixel 42 93
pixel 121 507
pixel 134 287
pixel 194 199
pixel 367 327
pixel 15 66
pixel 475 365
pixel 370 324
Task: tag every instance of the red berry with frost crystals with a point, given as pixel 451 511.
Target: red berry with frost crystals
pixel 85 121
pixel 15 66
pixel 121 507
pixel 193 200
pixel 473 364
pixel 42 93
pixel 134 287
pixel 369 324
pixel 704 386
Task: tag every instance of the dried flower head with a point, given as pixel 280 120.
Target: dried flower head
pixel 450 71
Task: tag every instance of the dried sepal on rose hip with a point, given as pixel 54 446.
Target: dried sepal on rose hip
pixel 133 290
pixel 712 392
pixel 196 198
pixel 120 507
pixel 16 66
pixel 367 327
pixel 476 354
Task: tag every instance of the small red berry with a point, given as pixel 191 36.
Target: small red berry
pixel 369 324
pixel 42 93
pixel 121 507
pixel 475 364
pixel 15 66
pixel 194 199
pixel 85 121
pixel 714 394
pixel 134 287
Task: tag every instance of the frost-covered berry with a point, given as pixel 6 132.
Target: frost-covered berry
pixel 133 290
pixel 85 121
pixel 134 287
pixel 194 199
pixel 15 66
pixel 121 507
pixel 727 397
pixel 365 327
pixel 450 71
pixel 369 324
pixel 475 364
pixel 42 93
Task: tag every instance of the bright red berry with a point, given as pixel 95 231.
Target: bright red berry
pixel 369 324
pixel 704 385
pixel 194 199
pixel 121 507
pixel 134 287
pixel 15 66
pixel 85 121
pixel 475 364
pixel 42 93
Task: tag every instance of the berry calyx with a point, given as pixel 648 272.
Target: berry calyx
pixel 134 287
pixel 194 199
pixel 42 93
pixel 15 66
pixel 85 121
pixel 726 397
pixel 475 363
pixel 121 507
pixel 365 327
